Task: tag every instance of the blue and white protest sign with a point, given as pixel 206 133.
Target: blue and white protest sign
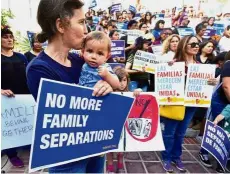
pixel 17 120
pixel 72 125
pixel 185 31
pixel 118 48
pixel 209 33
pixel 160 16
pixel 219 28
pixel 216 142
pixel 122 25
pixel 93 4
pixel 132 8
pixel 116 8
pixel 30 37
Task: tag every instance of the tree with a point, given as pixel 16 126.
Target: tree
pixel 6 14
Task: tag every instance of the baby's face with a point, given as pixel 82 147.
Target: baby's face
pixel 96 52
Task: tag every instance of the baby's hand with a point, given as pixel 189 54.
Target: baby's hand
pixel 137 92
pixel 103 71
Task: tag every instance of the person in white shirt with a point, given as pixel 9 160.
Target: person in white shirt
pixel 170 47
pixel 224 43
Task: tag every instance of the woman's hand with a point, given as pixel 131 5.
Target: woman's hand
pixel 102 88
pixel 212 81
pixel 7 93
pixel 170 63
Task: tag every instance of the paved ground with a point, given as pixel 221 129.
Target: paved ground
pixel 137 162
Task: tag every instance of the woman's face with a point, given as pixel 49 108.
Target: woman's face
pixel 37 45
pixel 104 23
pixel 7 41
pixel 173 44
pixel 115 36
pixel 227 33
pixel 192 47
pixel 161 25
pixel 148 16
pixel 208 48
pixel 74 34
pixel 144 28
pixel 123 84
pixel 146 46
pixel 211 21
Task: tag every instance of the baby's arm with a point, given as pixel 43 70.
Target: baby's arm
pixel 110 78
pixel 224 114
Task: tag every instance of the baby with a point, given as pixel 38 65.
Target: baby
pixel 96 49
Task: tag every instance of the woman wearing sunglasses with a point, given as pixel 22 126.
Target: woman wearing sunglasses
pixel 173 130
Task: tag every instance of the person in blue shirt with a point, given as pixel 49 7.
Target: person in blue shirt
pixel 96 51
pixel 63 25
pixel 158 28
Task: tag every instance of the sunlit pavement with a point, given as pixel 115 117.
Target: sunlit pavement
pixel 136 162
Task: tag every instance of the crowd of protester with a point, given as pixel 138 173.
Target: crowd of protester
pixel 57 63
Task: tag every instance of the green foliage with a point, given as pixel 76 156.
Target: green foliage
pixel 22 43
pixel 6 14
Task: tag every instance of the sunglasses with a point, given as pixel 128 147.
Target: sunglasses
pixel 193 44
pixel 167 33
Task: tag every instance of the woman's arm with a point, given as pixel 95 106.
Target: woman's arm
pixel 226 87
pixel 129 70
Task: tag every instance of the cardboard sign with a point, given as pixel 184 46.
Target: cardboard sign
pixel 116 8
pixel 72 125
pixel 142 129
pixel 132 8
pixel 17 120
pixel 197 92
pixel 185 31
pixel 216 142
pixel 219 28
pixel 169 83
pixel 144 61
pixel 133 35
pixel 118 48
pixel 157 49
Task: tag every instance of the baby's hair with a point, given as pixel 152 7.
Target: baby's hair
pixel 97 35
pixel 121 73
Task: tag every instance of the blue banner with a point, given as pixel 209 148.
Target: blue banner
pixel 160 16
pixel 72 125
pixel 115 65
pixel 185 31
pixel 115 8
pixel 118 48
pixel 122 25
pixel 93 4
pixel 132 8
pixel 219 29
pixel 209 33
pixel 216 142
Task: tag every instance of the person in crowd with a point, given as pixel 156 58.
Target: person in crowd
pixel 143 27
pixel 123 77
pixel 96 50
pixel 200 30
pixel 36 49
pixel 148 19
pixel 56 63
pixel 124 14
pixel 111 25
pixel 219 61
pixel 130 15
pixel 114 35
pixel 205 54
pixel 218 102
pixel 184 22
pixel 103 25
pixel 158 29
pixel 163 35
pixel 13 69
pixel 169 47
pixel 132 25
pixel 211 22
pixel 173 131
pixel 138 79
pixel 120 19
pixel 224 43
pixel 90 24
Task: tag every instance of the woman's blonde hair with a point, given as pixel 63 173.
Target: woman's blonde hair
pixel 166 43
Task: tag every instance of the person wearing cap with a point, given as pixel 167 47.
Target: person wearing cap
pixel 138 79
pixel 132 25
